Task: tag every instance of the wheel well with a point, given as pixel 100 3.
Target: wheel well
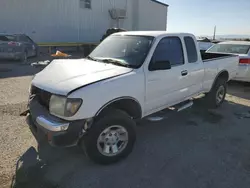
pixel 130 106
pixel 223 75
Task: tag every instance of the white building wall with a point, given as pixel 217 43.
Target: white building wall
pixel 65 21
pixel 152 16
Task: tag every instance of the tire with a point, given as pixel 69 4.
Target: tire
pixel 103 37
pixel 96 149
pixel 216 96
pixel 24 57
pixel 110 31
pixel 121 30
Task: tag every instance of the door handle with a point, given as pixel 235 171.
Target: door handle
pixel 184 73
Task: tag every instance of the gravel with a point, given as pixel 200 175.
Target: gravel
pixel 195 148
pixel 15 137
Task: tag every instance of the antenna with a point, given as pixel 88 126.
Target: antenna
pixel 214 32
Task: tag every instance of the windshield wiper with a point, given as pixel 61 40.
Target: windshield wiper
pixel 115 62
pixel 91 58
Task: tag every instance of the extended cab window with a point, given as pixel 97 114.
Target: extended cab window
pixel 191 49
pixel 169 49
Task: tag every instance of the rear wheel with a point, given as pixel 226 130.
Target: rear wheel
pixel 217 95
pixel 111 138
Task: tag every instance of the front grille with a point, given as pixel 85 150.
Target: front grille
pixel 42 96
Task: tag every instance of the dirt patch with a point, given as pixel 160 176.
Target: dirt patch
pixel 5 180
pixel 13 109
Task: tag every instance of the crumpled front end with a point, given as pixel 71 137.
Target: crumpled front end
pixel 46 127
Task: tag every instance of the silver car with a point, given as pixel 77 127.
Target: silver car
pixel 17 47
pixel 240 48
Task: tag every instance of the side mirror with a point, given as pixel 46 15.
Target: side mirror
pixel 159 65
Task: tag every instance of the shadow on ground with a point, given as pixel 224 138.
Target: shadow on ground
pixel 11 68
pixel 33 167
pixel 196 148
pixel 239 89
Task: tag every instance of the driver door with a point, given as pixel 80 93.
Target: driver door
pixel 166 87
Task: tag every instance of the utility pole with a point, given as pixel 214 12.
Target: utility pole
pixel 214 32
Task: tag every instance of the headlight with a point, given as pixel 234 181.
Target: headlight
pixel 63 106
pixel 72 106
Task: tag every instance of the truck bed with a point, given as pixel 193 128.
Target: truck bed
pixel 214 63
pixel 212 56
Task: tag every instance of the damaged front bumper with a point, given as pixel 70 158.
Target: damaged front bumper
pixel 54 130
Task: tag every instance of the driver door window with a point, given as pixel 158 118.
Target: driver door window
pixel 169 49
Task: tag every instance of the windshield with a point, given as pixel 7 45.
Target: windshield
pixel 230 48
pixel 128 50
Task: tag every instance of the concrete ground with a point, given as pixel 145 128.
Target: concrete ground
pixel 196 148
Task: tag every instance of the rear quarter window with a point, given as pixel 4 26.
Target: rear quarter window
pixel 191 49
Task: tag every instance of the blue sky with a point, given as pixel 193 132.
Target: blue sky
pixel 200 16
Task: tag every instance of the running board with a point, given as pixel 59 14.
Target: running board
pixel 182 106
pixel 159 116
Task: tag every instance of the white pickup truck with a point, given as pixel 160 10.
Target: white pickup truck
pixel 95 102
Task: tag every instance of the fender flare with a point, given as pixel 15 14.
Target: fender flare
pixel 218 75
pixel 118 99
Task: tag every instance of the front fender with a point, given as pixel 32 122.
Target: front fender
pixel 96 96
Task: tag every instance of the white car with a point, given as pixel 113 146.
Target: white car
pixel 95 102
pixel 204 45
pixel 239 48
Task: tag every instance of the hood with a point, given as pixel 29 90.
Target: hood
pixel 62 76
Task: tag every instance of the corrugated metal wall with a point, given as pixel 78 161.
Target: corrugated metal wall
pixel 65 21
pixel 152 16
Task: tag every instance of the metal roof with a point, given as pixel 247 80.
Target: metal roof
pixel 150 33
pixel 160 2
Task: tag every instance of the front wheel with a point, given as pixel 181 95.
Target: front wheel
pixel 217 94
pixel 111 138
